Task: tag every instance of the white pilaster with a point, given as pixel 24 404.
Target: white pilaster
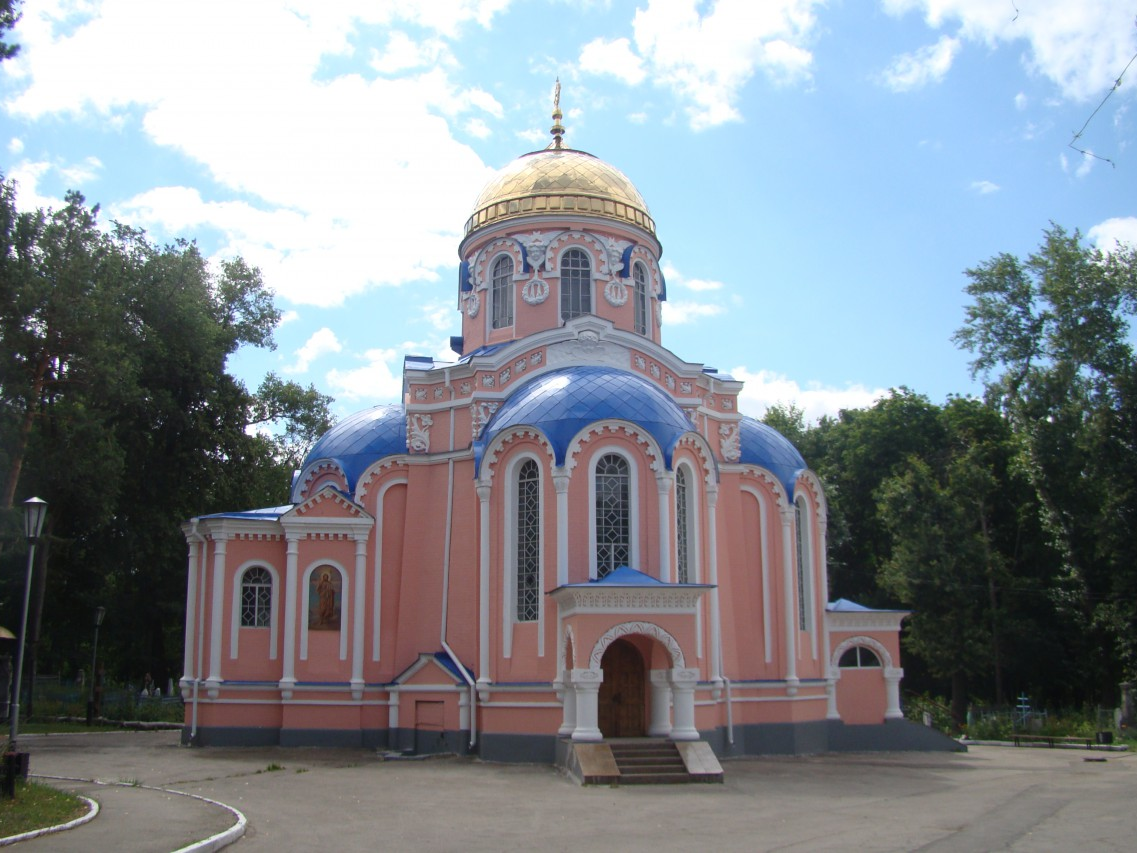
pixel 288 666
pixel 561 484
pixel 586 686
pixel 664 482
pixel 568 700
pixel 358 615
pixel 191 608
pixel 483 584
pixel 790 611
pixel 216 614
pixel 831 712
pixel 683 682
pixel 660 725
pixel 892 676
pixel 713 578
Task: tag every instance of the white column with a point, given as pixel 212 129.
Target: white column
pixel 660 725
pixel 892 676
pixel 713 578
pixel 790 614
pixel 823 545
pixel 483 584
pixel 586 686
pixel 568 700
pixel 683 682
pixel 561 484
pixel 358 616
pixel 191 609
pixel 288 668
pixel 663 482
pixel 216 614
pixel 831 712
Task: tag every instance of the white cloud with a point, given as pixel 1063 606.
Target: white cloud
pixel 679 313
pixel 16 145
pixel 373 380
pixel 929 64
pixel 288 317
pixel 1085 164
pixel 322 342
pixel 79 174
pixel 1081 47
pixel 706 54
pixel 402 54
pixel 319 163
pixel 985 187
pixel 1109 234
pixel 614 57
pixel 1020 101
pixel 765 388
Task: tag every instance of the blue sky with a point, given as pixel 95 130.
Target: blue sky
pixel 821 173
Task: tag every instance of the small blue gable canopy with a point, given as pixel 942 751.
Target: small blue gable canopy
pixel 563 402
pixel 358 441
pixel 764 446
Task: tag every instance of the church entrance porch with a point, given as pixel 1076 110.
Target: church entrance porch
pixel 621 700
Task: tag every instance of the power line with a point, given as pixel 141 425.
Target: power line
pixel 1114 88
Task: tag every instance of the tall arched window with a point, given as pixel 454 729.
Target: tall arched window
pixel 576 284
pixel 639 298
pixel 502 286
pixel 256 598
pixel 528 555
pixel 613 514
pixel 804 564
pixel 683 524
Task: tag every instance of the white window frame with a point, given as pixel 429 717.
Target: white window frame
pixel 506 289
pixel 633 506
pixel 274 607
pixel 590 306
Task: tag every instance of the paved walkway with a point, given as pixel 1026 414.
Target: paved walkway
pixel 991 798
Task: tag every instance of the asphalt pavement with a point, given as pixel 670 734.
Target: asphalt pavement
pixel 156 795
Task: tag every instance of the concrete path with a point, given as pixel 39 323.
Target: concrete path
pixel 991 798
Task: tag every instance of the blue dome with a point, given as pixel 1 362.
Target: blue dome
pixel 360 440
pixel 764 446
pixel 563 402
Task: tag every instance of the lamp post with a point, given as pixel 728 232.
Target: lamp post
pixel 100 612
pixel 35 510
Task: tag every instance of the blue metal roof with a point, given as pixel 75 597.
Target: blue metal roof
pixel 271 513
pixel 627 576
pixel 843 605
pixel 563 402
pixel 764 446
pixel 361 439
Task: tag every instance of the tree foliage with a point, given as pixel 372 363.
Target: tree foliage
pixel 116 408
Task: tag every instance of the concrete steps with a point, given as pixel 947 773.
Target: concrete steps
pixel 649 762
pixel 640 761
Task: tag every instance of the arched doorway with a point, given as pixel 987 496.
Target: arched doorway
pixel 621 703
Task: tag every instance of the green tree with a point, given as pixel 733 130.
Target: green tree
pixel 117 408
pixel 1050 336
pixel 9 17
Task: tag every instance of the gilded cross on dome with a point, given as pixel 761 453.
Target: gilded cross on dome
pixel 557 129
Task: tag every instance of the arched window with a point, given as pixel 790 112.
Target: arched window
pixel 528 553
pixel 639 299
pixel 683 524
pixel 804 564
pixel 859 657
pixel 256 598
pixel 613 514
pixel 502 286
pixel 576 284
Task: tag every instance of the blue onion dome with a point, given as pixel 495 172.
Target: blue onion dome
pixel 764 446
pixel 562 402
pixel 357 442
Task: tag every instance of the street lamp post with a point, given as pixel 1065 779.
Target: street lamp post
pixel 35 510
pixel 100 612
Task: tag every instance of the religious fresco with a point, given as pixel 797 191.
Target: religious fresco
pixel 325 594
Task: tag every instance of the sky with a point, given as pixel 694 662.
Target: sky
pixel 821 173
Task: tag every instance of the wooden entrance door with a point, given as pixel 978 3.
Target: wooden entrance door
pixel 621 704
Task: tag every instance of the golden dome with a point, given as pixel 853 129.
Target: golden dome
pixel 560 180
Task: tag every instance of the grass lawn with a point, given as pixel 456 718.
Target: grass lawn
pixel 37 806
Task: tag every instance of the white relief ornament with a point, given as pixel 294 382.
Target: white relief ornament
pixel 536 358
pixel 616 256
pixel 654 370
pixel 420 393
pixel 535 291
pixel 658 313
pixel 616 293
pixel 685 387
pixel 418 433
pixel 438 392
pixel 472 305
pixel 727 404
pixel 729 442
pixel 465 388
pixel 504 377
pixel 489 380
pixel 670 380
pixel 480 414
pixel 641 362
pixel 521 366
pixel 692 412
pixel 535 250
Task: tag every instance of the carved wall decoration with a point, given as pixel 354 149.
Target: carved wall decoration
pixel 670 381
pixel 588 349
pixel 640 362
pixel 537 358
pixel 583 240
pixel 535 245
pixel 418 432
pixel 473 303
pixel 535 291
pixel 686 387
pixel 465 388
pixel 489 380
pixel 616 255
pixel 501 441
pixel 420 393
pixel 616 292
pixel 503 377
pixel 647 629
pixel 480 414
pixel 727 404
pixel 730 442
pixel 645 440
pixel 438 392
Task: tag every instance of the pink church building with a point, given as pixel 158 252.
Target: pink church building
pixel 565 536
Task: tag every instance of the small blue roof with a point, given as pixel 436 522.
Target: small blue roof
pixel 764 446
pixel 360 440
pixel 563 402
pixel 843 605
pixel 627 576
pixel 271 513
